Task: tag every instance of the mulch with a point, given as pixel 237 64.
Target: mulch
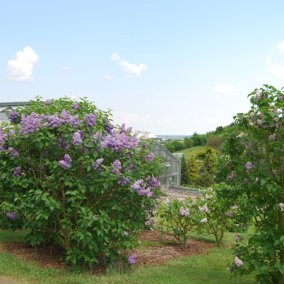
pixel 161 249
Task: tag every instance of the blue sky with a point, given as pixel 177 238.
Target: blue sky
pixel 167 67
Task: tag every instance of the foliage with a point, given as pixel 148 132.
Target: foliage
pixel 184 172
pixel 193 170
pixel 198 139
pixel 75 180
pixel 216 214
pixel 177 217
pixel 253 163
pixel 174 145
pixel 188 143
pixel 207 169
pixel 214 141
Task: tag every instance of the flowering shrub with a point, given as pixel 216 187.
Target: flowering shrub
pixel 216 214
pixel 254 165
pixel 178 218
pixel 76 180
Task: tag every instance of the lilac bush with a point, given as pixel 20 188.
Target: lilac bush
pixel 76 180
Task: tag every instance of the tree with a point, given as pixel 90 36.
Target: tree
pixel 254 166
pixel 184 171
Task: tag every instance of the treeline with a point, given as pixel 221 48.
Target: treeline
pixel 212 139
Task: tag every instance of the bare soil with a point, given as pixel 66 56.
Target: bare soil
pixel 158 248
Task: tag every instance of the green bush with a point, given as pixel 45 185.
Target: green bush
pixel 75 180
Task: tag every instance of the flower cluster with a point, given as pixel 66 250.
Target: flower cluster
pixel 141 188
pixel 13 152
pixel 98 163
pixel 116 167
pixel 17 172
pixel 249 166
pixel 30 123
pixel 3 137
pixel 77 138
pixel 238 262
pixel 11 216
pixel 90 119
pixel 13 116
pixel 118 140
pixel 132 259
pixel 203 208
pixel 150 157
pixel 184 212
pixel 66 162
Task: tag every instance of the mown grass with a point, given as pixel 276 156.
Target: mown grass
pixel 206 268
pixel 193 151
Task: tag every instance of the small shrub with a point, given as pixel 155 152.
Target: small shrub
pixel 178 218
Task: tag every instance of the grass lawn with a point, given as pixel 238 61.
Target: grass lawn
pixel 189 152
pixel 206 268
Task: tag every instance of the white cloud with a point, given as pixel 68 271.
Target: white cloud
pixel 268 60
pixel 21 68
pixel 280 46
pixel 134 69
pixel 224 89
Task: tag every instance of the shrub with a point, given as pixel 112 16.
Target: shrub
pixel 254 165
pixel 178 218
pixel 76 180
pixel 217 214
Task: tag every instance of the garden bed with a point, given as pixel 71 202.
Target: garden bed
pixel 156 249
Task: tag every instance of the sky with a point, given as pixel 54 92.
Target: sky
pixel 161 66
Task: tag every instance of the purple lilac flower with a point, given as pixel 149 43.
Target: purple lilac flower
pixel 13 116
pixel 116 141
pixel 3 137
pixel 13 152
pixel 54 121
pixel 150 157
pixel 123 181
pixel 30 123
pixel 144 191
pixel 11 216
pixel 249 165
pixel 90 119
pixel 48 102
pixel 184 211
pixel 154 182
pixel 17 172
pixel 66 163
pixel 132 259
pixel 11 132
pixel 75 106
pixel 67 159
pixel 116 167
pixel 98 163
pixel 137 184
pixel 77 138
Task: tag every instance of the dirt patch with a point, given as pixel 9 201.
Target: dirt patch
pixel 159 249
pixel 166 248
